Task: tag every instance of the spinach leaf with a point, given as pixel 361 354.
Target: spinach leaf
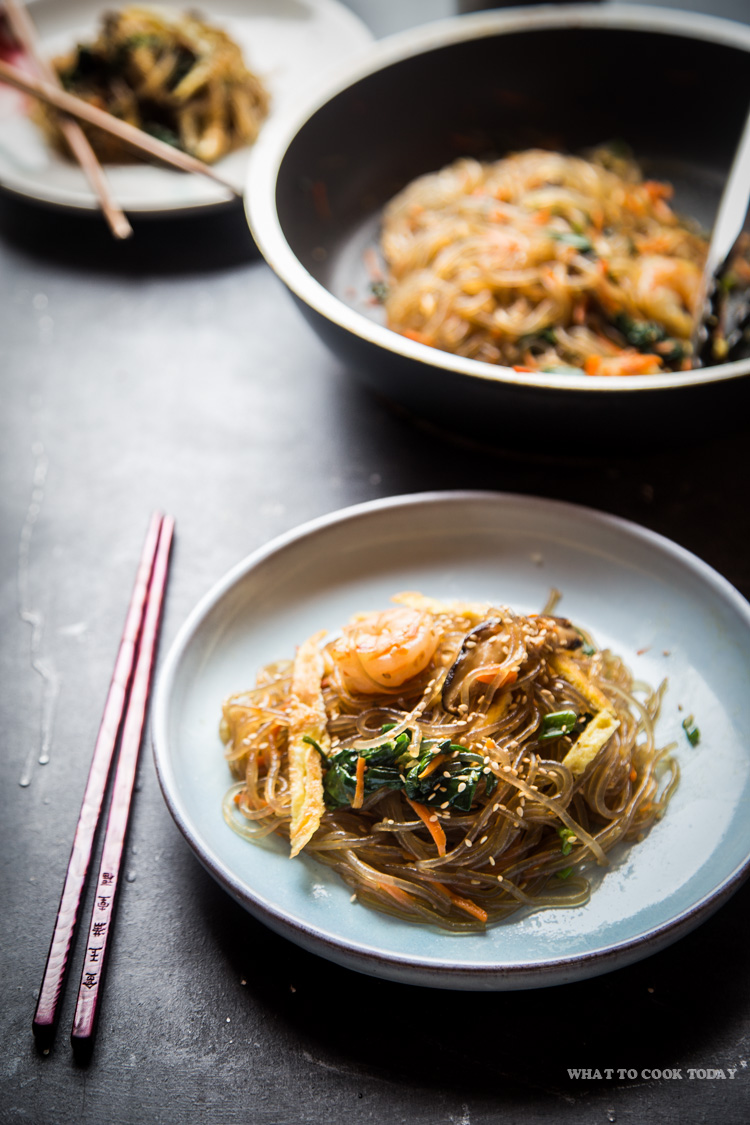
pixel 390 765
pixel 570 238
pixel 648 336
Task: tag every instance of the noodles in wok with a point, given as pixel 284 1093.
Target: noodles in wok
pixel 453 762
pixel 545 262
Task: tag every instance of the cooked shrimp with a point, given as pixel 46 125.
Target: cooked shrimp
pixel 665 290
pixel 384 649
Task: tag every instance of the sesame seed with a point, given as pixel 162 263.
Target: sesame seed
pixel 476 882
pixel 468 843
pixel 353 897
pixel 461 787
pixel 507 769
pixel 483 839
pixel 445 804
pixel 486 770
pixel 519 811
pixel 446 773
pixel 499 878
pixel 492 861
pixel 433 820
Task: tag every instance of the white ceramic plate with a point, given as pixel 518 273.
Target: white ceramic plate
pixel 291 44
pixel 633 589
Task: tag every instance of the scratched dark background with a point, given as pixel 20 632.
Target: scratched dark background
pixel 174 371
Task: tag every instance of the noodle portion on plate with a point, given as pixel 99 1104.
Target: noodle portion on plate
pixel 169 74
pixel 544 262
pixel 454 762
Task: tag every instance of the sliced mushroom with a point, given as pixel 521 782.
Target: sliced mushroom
pixel 566 634
pixel 469 655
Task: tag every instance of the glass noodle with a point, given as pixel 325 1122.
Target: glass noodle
pixel 498 774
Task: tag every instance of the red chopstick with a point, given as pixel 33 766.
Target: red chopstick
pixel 45 1016
pixel 100 928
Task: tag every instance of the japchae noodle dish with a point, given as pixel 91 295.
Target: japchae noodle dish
pixel 454 762
pixel 169 74
pixel 545 262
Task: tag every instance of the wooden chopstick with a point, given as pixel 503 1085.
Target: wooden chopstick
pixel 25 32
pixel 100 928
pixel 45 1016
pixel 136 138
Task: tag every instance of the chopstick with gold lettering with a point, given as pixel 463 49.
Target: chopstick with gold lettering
pixel 102 915
pixel 45 1016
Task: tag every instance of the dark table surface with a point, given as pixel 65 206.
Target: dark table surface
pixel 174 371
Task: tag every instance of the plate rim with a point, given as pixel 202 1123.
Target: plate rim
pixel 262 177
pixel 432 971
pixel 86 203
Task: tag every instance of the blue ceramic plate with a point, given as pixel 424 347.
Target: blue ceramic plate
pixel 666 612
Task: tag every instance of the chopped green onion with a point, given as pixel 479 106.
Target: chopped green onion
pixel 556 724
pixel 691 730
pixel 564 873
pixel 565 834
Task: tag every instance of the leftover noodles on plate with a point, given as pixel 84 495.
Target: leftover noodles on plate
pixel 454 762
pixel 169 74
pixel 545 262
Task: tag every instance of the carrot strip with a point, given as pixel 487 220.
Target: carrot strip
pixel 464 903
pixel 628 363
pixel 395 892
pixel 432 823
pixel 359 792
pixel 432 766
pixel 419 337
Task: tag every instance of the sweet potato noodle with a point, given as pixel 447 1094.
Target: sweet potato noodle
pixel 545 262
pixel 454 762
